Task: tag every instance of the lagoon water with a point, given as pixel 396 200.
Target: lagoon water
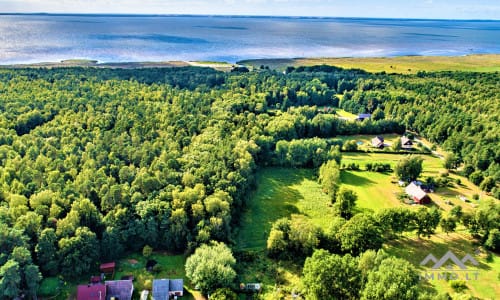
pixel 118 38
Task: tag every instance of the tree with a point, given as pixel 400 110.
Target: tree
pixel 493 241
pixel 331 276
pixel 10 280
pixel 32 278
pixel 451 161
pixel 46 251
pixel 224 294
pixel 211 267
pixel 345 202
pixel 351 146
pixel 409 168
pixel 329 177
pixel 426 221
pixel 448 224
pixel 394 279
pixel 395 221
pixel 360 234
pixel 79 253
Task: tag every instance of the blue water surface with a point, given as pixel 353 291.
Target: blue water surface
pixel 118 38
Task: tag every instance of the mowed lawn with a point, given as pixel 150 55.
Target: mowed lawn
pixel 281 192
pixel 375 190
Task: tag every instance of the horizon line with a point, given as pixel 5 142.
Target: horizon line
pixel 228 15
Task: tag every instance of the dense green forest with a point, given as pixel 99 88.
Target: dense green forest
pixel 95 163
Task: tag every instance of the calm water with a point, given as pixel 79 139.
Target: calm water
pixel 111 38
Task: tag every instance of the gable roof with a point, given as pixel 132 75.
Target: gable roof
pixel 121 289
pixel 406 141
pixel 161 289
pixel 91 292
pixel 415 191
pixel 110 267
pixel 378 141
pixel 176 285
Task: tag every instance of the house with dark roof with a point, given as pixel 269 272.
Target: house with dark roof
pixel 406 143
pixel 417 194
pixel 91 292
pixel 362 117
pixel 119 289
pixel 378 142
pixel 163 289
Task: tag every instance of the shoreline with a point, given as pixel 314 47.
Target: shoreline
pixel 407 64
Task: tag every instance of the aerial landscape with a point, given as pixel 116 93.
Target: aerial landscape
pixel 251 149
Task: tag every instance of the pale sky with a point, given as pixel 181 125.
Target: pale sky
pixel 427 9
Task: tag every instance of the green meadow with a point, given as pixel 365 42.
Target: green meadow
pixel 284 191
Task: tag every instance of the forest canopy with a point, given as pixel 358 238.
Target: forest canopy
pixel 105 161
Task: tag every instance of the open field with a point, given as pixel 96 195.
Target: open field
pixel 280 193
pixel 399 64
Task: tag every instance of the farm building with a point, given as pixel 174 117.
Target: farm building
pixel 417 194
pixel 119 289
pixel 108 268
pixel 91 292
pixel 362 117
pixel 163 289
pixel 406 143
pixel 378 142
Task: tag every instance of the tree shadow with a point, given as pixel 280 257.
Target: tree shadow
pixel 350 177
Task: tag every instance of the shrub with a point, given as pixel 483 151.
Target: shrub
pixel 147 251
pixel 458 285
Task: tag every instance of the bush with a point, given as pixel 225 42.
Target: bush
pixel 147 251
pixel 458 285
pixel 224 294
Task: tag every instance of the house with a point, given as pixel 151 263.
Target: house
pixel 163 289
pixel 362 117
pixel 119 289
pixel 91 292
pixel 176 287
pixel 417 194
pixel 378 142
pixel 406 143
pixel 108 268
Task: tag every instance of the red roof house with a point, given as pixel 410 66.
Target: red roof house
pixel 91 292
pixel 108 268
pixel 417 194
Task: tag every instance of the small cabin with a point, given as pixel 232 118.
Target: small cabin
pixel 406 143
pixel 378 142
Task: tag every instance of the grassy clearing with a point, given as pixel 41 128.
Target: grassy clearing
pixel 460 243
pixel 399 64
pixel 280 193
pixel 283 191
pixel 375 190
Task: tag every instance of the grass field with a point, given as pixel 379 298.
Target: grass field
pixel 284 191
pixel 398 64
pixel 280 193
